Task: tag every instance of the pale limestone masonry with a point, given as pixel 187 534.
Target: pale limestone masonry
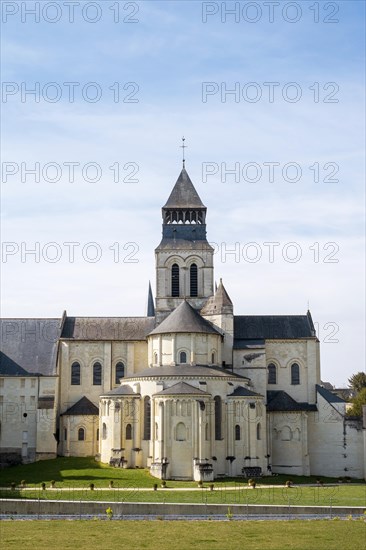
pixel 191 391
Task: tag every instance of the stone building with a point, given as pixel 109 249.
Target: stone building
pixel 191 391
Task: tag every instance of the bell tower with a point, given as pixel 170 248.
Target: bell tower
pixel 184 258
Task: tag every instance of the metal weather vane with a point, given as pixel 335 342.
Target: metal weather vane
pixel 183 146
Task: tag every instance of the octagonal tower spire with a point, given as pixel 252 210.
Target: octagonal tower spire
pixel 184 258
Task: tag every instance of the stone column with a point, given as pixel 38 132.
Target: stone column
pixel 161 431
pixel 166 428
pixel 193 349
pixel 174 351
pixel 195 448
pixel 304 441
pixel 68 436
pixel 230 427
pixel 160 356
pixel 107 368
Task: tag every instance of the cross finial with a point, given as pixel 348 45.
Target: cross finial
pixel 183 147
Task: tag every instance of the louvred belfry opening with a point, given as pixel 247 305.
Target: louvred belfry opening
pixel 184 257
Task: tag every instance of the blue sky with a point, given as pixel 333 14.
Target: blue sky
pixel 168 55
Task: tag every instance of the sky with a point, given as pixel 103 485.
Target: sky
pixel 269 96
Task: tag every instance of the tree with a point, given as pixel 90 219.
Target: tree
pixel 357 402
pixel 357 381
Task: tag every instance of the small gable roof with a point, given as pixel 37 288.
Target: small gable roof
pixel 281 401
pixel 82 407
pixel 328 395
pixel 240 391
pixel 185 319
pixel 182 388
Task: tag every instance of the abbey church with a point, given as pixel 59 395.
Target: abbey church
pixel 193 390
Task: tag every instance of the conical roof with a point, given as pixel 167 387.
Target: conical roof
pixel 150 303
pixel 185 319
pixel 219 303
pixel 184 195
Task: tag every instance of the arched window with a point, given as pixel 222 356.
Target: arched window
pixel 97 434
pixel 104 431
pixel 286 433
pixel 97 374
pixel 193 280
pixel 213 358
pixel 183 357
pixel 258 432
pixel 147 418
pixel 175 280
pixel 128 431
pixel 81 434
pixel 217 400
pixel 272 374
pixel 295 374
pixel 155 358
pixel 181 432
pixel 237 433
pixel 75 374
pixel 65 434
pixel 120 372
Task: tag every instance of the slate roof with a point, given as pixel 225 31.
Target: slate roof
pixel 29 346
pixel 8 367
pixel 150 303
pixel 264 327
pixel 240 391
pixel 185 319
pixel 108 328
pixel 82 407
pixel 194 243
pixel 46 402
pixel 278 401
pixel 328 395
pixel 121 390
pixel 249 344
pixel 182 388
pixel 183 194
pixel 189 371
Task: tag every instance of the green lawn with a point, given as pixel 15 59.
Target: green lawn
pixel 82 471
pixel 73 476
pixel 182 535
